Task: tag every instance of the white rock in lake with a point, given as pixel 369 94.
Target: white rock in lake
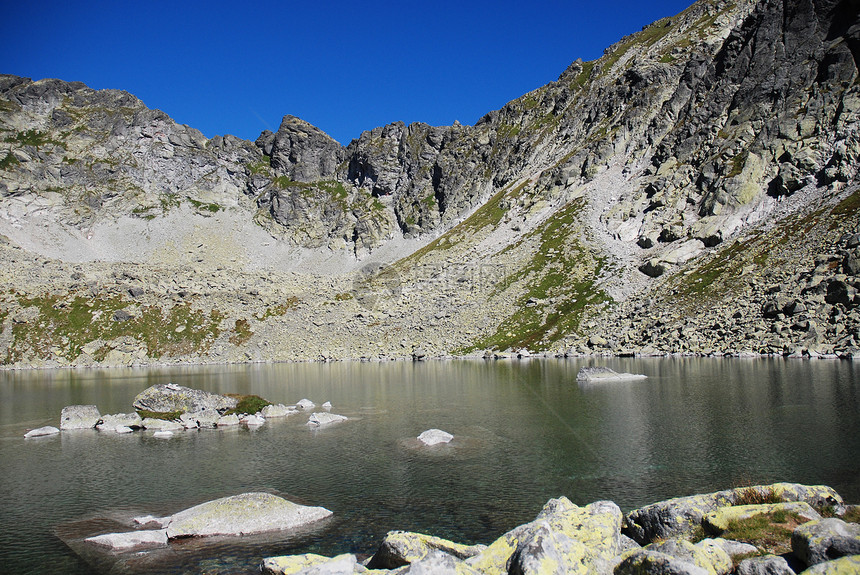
pixel 324 418
pixel 133 540
pixel 326 405
pixel 151 520
pixel 163 434
pixel 597 374
pixel 253 420
pixel 243 514
pixel 42 431
pixel 435 436
pixel 161 424
pixel 200 419
pixel 79 417
pixel 110 422
pixel 279 410
pixel 306 404
pixel 228 420
pixel 122 429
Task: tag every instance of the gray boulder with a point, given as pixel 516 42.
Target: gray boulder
pixel 228 420
pixel 438 563
pixel 42 431
pixel 842 566
pixel 167 398
pixel 324 418
pixel 311 564
pixel 305 404
pixel 402 548
pixel 243 514
pixel 766 565
pixel 153 424
pixel 79 417
pixel 649 562
pixel 825 539
pixel 130 541
pixel 200 419
pixel 595 374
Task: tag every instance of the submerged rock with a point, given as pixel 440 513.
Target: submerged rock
pixel 435 436
pixel 324 418
pixel 131 541
pixel 242 515
pixel 42 431
pixel 594 374
pixel 171 398
pixel 79 417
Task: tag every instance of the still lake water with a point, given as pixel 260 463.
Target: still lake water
pixel 525 431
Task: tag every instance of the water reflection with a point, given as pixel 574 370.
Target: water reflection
pixel 524 432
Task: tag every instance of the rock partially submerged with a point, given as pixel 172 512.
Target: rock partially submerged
pixel 305 404
pixel 111 422
pixel 243 514
pixel 599 374
pixel 278 410
pixel 79 417
pixel 42 431
pixel 434 437
pixel 172 398
pixel 324 418
pixel 131 540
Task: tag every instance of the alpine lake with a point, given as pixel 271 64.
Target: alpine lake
pixel 524 431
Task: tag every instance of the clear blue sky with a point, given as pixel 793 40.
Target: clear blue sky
pixel 238 67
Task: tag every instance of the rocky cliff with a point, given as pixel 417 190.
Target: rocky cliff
pixel 693 190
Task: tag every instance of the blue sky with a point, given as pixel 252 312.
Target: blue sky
pixel 239 67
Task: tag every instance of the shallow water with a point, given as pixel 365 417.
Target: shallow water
pixel 525 431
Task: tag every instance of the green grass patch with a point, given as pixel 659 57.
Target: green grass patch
pixel 345 296
pixel 203 206
pixel 752 496
pixel 33 138
pixel 769 532
pixel 8 162
pixel 242 332
pixel 64 325
pixel 247 404
pixel 559 282
pixel 281 309
pixel 261 167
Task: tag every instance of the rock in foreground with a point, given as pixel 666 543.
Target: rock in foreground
pixel 243 514
pixel 171 398
pixel 130 541
pixel 42 431
pixel 597 374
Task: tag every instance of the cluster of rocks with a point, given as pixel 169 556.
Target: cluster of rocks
pixel 600 539
pixel 168 408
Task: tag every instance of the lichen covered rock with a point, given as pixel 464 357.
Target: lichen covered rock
pixel 171 398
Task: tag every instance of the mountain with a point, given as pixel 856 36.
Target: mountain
pixel 694 190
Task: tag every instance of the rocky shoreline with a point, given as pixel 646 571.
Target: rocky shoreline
pixel 683 536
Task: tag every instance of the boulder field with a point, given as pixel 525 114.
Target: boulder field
pixel 680 536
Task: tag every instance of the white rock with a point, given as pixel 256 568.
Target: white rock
pixel 132 540
pixel 253 420
pixel 42 431
pixel 306 404
pixel 242 515
pixel 208 418
pixel 279 410
pixel 110 422
pixel 122 429
pixel 228 420
pixel 435 436
pixel 163 434
pixel 595 374
pixel 324 418
pixel 79 417
pixel 161 425
pixel 150 520
pixel 326 405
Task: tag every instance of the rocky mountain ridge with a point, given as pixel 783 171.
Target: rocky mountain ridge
pixel 608 211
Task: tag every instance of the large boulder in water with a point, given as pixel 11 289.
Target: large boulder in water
pixel 169 398
pixel 79 417
pixel 243 514
pixel 600 374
